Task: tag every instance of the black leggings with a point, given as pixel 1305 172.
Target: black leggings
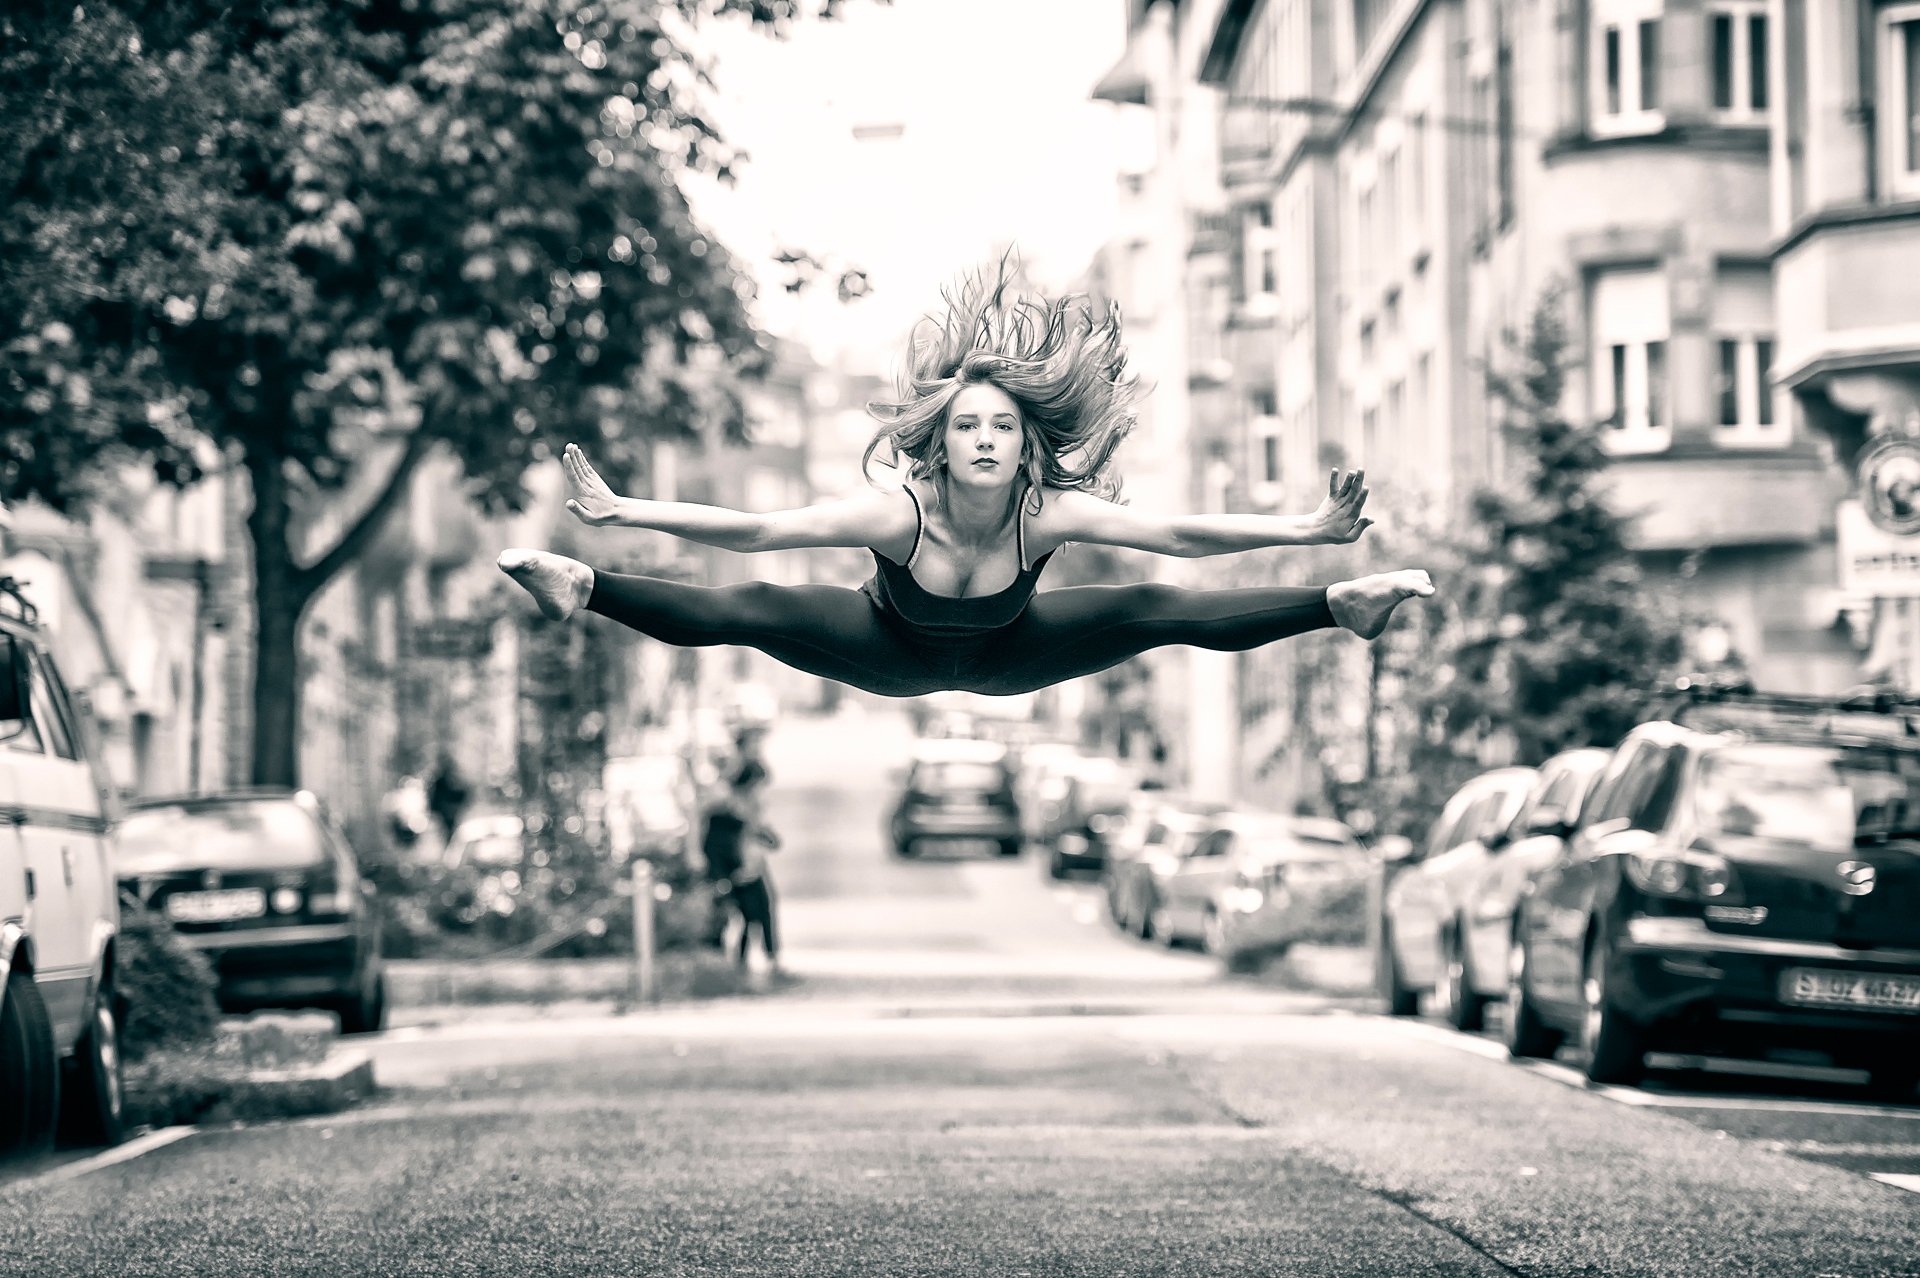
pixel 754 900
pixel 843 635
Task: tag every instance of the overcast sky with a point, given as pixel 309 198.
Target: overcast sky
pixel 999 142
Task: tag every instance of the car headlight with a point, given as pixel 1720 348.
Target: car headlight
pixel 1244 900
pixel 1689 875
pixel 284 900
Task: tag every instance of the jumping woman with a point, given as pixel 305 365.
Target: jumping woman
pixel 1007 419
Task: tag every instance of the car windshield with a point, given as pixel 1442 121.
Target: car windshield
pixel 958 775
pixel 264 835
pixel 1827 796
pixel 492 849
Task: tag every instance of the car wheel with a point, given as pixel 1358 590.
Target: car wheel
pixel 903 848
pixel 366 1012
pixel 1009 847
pixel 1527 1036
pixel 29 1070
pixel 1892 1078
pixel 1056 867
pixel 1461 1006
pixel 1614 1045
pixel 1160 925
pixel 93 1101
pixel 1401 998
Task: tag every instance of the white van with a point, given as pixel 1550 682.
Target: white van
pixel 59 908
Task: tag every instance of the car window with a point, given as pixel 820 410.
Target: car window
pixel 958 775
pixel 260 834
pixel 1654 802
pixel 1215 843
pixel 1608 799
pixel 1442 835
pixel 1827 797
pixel 50 713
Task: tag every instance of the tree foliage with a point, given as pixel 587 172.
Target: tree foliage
pixel 1554 637
pixel 269 236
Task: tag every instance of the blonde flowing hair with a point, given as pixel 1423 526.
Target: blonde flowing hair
pixel 1064 368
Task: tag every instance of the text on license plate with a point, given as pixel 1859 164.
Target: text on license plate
pixel 1810 987
pixel 217 907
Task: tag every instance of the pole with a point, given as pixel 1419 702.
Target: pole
pixel 643 991
pixel 198 683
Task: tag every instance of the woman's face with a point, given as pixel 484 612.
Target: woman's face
pixel 985 438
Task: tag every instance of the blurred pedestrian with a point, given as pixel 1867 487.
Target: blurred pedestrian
pixel 735 842
pixel 447 795
pixel 1004 433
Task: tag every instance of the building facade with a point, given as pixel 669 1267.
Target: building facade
pixel 1726 231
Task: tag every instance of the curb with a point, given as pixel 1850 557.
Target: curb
pixel 343 1079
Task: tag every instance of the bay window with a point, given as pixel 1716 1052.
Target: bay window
pixel 1629 327
pixel 1626 66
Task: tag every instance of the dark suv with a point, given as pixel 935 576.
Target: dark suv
pixel 958 795
pixel 1745 876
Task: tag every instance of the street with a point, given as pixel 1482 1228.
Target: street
pixel 973 1074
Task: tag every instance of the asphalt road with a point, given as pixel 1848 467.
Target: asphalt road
pixel 973 1076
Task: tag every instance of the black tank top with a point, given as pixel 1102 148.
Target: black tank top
pixel 936 618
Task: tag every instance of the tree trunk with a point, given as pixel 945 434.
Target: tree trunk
pixel 278 600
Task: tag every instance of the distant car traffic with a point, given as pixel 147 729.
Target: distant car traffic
pixel 1746 877
pixel 1280 876
pixel 60 1000
pixel 958 794
pixel 1082 802
pixel 1420 902
pixel 263 883
pixel 1138 884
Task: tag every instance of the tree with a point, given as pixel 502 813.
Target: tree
pixel 1554 639
pixel 277 237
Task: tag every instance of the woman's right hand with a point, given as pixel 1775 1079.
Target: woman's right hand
pixel 592 501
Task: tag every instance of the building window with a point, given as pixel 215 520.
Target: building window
pixel 1629 326
pixel 1738 39
pixel 1900 96
pixel 1270 458
pixel 1626 54
pixel 1262 252
pixel 1743 392
pixel 1504 127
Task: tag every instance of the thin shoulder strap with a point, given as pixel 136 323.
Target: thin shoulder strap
pixel 919 524
pixel 1020 528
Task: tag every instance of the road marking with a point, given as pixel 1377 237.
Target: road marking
pixel 1898 1181
pixel 109 1157
pixel 1569 1077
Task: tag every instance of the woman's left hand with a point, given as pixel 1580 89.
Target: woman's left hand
pixel 1338 520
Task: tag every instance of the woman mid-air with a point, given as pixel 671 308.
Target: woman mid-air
pixel 1006 424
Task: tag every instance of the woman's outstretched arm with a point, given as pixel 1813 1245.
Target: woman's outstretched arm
pixel 876 519
pixel 1077 516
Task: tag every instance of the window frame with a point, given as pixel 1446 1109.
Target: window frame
pixel 1750 106
pixel 1902 174
pixel 1624 54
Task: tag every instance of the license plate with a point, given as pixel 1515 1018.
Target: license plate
pixel 217 907
pixel 1810 987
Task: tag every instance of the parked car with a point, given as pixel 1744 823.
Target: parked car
pixel 1127 840
pixel 958 792
pixel 1280 876
pixel 1479 885
pixel 1081 805
pixel 60 1007
pixel 1422 893
pixel 1185 874
pixel 1477 941
pixel 1740 881
pixel 264 884
pixel 1135 881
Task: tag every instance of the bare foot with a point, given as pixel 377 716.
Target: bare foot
pixel 1364 604
pixel 558 584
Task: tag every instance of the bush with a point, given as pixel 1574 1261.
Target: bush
pixel 168 986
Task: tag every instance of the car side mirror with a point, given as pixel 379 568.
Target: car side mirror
pixel 1549 821
pixel 16 714
pixel 1394 849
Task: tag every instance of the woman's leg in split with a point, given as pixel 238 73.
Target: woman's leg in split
pixel 828 631
pixel 1083 629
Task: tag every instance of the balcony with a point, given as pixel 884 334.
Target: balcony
pixel 1693 497
pixel 1844 283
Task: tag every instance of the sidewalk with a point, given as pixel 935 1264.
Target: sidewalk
pixel 425 992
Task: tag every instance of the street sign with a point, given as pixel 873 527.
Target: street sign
pixel 1875 563
pixel 453 638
